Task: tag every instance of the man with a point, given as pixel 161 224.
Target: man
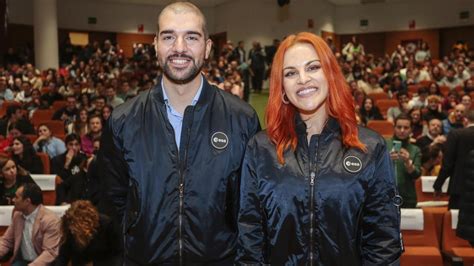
pixel 402 108
pixel 434 109
pixel 112 98
pixel 407 161
pixel 34 234
pixel 459 144
pixel 5 93
pixel 455 119
pixel 99 103
pixel 24 96
pixel 171 156
pixel 68 165
pixel 433 136
pixel 52 95
pixel 94 123
pixel 14 119
pixel 68 113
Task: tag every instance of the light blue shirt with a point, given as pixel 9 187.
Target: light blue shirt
pixel 176 118
pixel 52 147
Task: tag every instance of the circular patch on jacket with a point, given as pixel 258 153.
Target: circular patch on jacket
pixel 352 164
pixel 397 200
pixel 219 140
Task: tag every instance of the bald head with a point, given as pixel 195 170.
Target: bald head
pixel 179 8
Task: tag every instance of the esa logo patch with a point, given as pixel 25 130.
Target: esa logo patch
pixel 352 164
pixel 219 140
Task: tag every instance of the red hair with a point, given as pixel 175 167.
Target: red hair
pixel 280 117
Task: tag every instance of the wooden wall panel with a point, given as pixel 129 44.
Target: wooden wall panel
pixel 373 42
pixel 126 41
pixel 393 38
pixel 449 36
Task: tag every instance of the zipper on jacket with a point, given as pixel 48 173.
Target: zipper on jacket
pixel 312 176
pixel 312 207
pixel 182 168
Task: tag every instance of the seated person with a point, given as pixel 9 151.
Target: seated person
pixel 33 236
pixel 48 143
pixel 95 131
pixel 25 155
pixel 402 108
pixel 88 237
pixel 431 158
pixel 12 177
pixel 68 166
pixel 14 117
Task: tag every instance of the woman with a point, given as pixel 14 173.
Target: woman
pixel 88 237
pixel 25 155
pixel 12 177
pixel 48 143
pixel 416 123
pixel 315 188
pixel 106 112
pixel 79 126
pixel 369 111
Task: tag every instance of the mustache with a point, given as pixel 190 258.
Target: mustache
pixel 179 56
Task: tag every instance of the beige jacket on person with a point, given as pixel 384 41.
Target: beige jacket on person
pixel 45 236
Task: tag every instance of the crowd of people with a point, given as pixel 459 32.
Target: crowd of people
pixel 95 79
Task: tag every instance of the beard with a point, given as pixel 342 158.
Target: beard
pixel 181 76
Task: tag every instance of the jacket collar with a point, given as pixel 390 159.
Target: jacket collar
pixel 331 127
pixel 206 94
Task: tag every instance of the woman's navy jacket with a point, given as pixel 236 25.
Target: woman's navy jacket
pixel 327 205
pixel 179 207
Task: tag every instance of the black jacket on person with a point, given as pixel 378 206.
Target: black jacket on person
pixel 335 203
pixel 104 248
pixel 458 144
pixel 7 198
pixel 72 178
pixel 177 206
pixel 23 125
pixel 33 165
pixel 465 228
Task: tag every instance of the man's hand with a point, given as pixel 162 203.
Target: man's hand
pixel 394 155
pixel 439 140
pixel 69 155
pixel 404 155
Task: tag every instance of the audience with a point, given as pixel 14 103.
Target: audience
pixel 25 155
pixel 48 143
pixel 11 178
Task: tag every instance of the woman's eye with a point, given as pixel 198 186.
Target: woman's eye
pixel 314 67
pixel 289 74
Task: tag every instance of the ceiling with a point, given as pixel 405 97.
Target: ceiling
pixel 203 3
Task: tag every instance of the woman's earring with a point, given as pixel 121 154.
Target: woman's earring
pixel 284 98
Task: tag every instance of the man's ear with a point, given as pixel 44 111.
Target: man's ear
pixel 208 48
pixel 155 42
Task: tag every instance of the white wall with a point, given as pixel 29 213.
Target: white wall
pixel 113 17
pixel 395 15
pixel 264 20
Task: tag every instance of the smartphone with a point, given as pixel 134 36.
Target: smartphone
pixel 397 145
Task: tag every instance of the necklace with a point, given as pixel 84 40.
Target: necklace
pixel 310 126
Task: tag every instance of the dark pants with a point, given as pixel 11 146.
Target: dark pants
pixel 257 79
pixel 454 201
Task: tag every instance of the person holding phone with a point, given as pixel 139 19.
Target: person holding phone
pixel 406 158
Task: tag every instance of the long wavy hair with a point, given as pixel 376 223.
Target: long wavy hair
pixel 81 221
pixel 19 170
pixel 280 117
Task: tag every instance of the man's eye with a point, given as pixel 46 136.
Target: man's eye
pixel 192 38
